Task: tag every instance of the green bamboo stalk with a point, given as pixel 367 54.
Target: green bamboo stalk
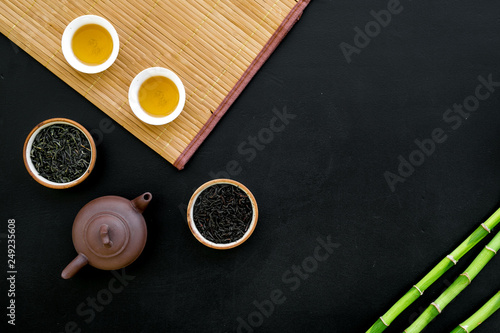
pixel 457 286
pixel 418 289
pixel 480 316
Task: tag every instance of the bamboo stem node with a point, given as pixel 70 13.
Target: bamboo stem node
pixel 490 249
pixel 467 276
pixel 383 322
pixel 420 291
pixel 485 227
pixel 449 256
pixel 436 306
pixel 464 328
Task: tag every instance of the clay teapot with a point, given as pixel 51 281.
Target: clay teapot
pixel 109 233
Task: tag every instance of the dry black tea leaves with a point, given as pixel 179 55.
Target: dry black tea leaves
pixel 61 153
pixel 222 213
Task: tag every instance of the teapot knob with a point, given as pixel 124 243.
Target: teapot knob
pixel 104 232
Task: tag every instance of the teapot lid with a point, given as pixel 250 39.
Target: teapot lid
pixel 106 234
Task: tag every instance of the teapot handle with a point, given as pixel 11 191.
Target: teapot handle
pixel 74 266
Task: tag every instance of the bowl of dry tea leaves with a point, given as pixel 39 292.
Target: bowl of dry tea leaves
pixel 59 153
pixel 222 214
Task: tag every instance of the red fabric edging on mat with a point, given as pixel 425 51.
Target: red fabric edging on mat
pixel 256 64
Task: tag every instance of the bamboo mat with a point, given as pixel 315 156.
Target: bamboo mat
pixel 215 47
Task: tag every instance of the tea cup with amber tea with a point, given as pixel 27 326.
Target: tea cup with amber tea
pixel 90 44
pixel 157 96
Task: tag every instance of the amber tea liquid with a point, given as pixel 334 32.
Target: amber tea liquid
pixel 158 96
pixel 92 44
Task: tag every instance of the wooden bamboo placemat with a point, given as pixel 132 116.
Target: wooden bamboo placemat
pixel 215 47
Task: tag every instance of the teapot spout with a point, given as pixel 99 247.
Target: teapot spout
pixel 74 266
pixel 141 202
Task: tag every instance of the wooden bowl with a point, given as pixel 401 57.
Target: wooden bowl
pixel 199 236
pixel 29 143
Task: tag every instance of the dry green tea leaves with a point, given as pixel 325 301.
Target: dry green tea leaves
pixel 61 153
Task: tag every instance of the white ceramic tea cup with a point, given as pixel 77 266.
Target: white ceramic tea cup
pixel 67 48
pixel 133 95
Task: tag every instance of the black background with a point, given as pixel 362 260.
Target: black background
pixel 322 175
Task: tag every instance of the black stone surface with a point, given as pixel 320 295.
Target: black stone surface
pixel 318 176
